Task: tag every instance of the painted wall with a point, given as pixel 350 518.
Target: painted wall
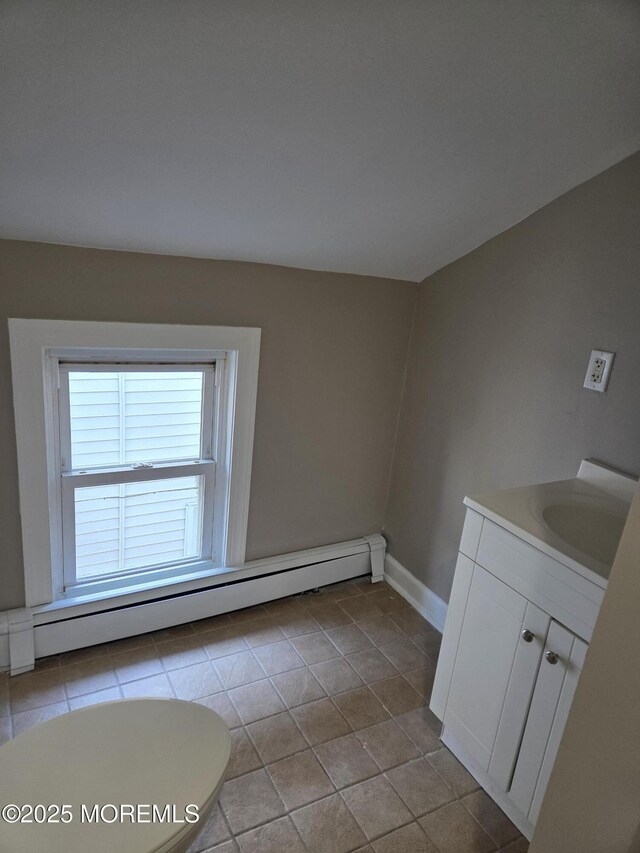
pixel 499 351
pixel 331 366
pixel 592 801
pixel 493 395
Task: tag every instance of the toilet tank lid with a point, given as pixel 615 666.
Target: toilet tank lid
pixel 134 753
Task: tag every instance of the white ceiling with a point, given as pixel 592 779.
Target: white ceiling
pixel 385 138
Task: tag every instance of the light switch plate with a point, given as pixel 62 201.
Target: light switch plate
pixel 600 365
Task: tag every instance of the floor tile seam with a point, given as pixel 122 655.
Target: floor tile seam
pixel 302 704
pixel 286 815
pixel 13 681
pixel 367 687
pixel 458 797
pixel 330 698
pixel 89 692
pixel 315 748
pixel 382 834
pixel 428 811
pixel 384 678
pixel 261 823
pixel 218 805
pixel 104 657
pixel 374 644
pixel 117 687
pixel 352 785
pixel 228 654
pixel 393 767
pixel 323 631
pixel 40 707
pixel 120 683
pixel 13 711
pixel 10 701
pixel 352 730
pixel 168 670
pixel 445 806
pixel 292 718
pixel 306 739
pixel 257 660
pixel 483 828
pixel 259 646
pixel 382 647
pixel 271 677
pixel 415 742
pixel 237 709
pixel 157 645
pixel 122 680
pixel 268 767
pixel 339 692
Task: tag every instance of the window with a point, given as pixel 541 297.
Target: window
pixel 134 444
pixel 137 465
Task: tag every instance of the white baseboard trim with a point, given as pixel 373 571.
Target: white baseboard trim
pixel 29 634
pixel 16 640
pixel 426 602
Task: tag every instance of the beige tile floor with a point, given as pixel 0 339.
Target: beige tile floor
pixel 326 694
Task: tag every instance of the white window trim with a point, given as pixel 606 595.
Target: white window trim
pixel 32 344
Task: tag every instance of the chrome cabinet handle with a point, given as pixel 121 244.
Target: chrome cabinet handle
pixel 552 657
pixel 528 636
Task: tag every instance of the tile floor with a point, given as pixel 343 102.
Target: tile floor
pixel 326 694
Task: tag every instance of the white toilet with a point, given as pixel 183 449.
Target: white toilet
pixel 135 753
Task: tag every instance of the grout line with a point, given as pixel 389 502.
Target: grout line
pixel 156 646
pixel 218 805
pixel 461 800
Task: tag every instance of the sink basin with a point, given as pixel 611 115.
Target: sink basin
pixel 587 528
pixel 578 522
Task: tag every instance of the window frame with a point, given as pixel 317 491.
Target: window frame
pixel 65 581
pixel 37 346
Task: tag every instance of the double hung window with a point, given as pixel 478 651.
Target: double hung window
pixel 134 444
pixel 137 469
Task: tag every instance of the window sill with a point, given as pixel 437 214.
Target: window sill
pixel 111 599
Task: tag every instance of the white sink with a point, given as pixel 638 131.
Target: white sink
pixel 578 522
pixel 586 527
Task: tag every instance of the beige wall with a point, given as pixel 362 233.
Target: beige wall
pixel 592 804
pixel 331 366
pixel 493 395
pixel 497 359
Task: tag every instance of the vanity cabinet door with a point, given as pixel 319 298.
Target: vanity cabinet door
pixel 560 669
pixel 490 642
pixel 521 686
pixel 451 636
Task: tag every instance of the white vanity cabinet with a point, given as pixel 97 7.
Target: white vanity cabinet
pixel 515 639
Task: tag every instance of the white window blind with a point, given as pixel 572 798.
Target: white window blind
pixel 125 417
pixel 130 438
pixel 132 525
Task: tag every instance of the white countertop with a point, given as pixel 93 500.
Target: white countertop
pixel 596 490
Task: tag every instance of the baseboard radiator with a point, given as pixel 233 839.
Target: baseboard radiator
pixel 26 635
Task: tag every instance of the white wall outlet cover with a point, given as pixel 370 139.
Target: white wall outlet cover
pixel 600 365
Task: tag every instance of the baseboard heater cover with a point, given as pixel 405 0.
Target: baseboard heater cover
pixel 113 622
